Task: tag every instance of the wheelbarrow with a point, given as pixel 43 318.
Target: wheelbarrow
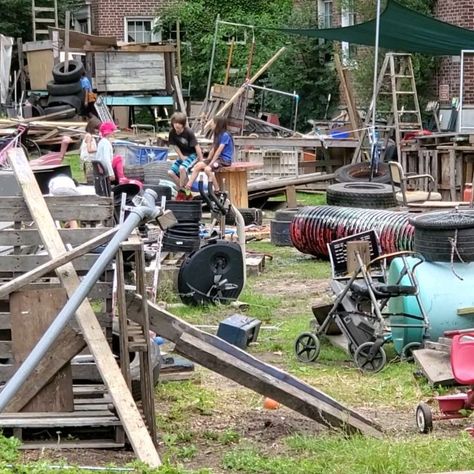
pixel 458 405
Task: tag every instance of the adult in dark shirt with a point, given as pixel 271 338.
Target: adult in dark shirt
pixel 184 141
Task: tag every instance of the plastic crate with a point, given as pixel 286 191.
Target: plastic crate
pixel 136 154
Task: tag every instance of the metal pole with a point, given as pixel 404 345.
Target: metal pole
pixel 137 214
pixel 461 93
pixel 297 102
pixel 211 65
pixel 376 66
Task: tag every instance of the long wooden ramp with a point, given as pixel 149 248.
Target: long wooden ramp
pixel 239 366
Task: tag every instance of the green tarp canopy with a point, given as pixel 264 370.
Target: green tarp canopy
pixel 401 29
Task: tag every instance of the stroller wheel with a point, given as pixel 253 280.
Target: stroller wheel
pixel 368 362
pixel 424 418
pixel 307 347
pixel 407 351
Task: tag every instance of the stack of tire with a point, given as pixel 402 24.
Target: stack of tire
pixel 280 227
pixel 65 91
pixel 252 216
pixel 184 236
pixel 153 174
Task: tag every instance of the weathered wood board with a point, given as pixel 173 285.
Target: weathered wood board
pixel 129 71
pixel 435 365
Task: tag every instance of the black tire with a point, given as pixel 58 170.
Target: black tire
pixel 37 110
pixel 160 191
pixel 186 211
pixel 407 351
pixel 363 194
pixel 68 111
pixel 307 347
pixel 424 418
pixel 280 233
pixel 436 246
pixel 358 172
pixel 444 220
pixel 286 215
pixel 75 101
pixel 73 74
pixel 366 363
pixel 250 215
pixel 71 88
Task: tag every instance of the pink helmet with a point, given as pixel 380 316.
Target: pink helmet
pixel 107 128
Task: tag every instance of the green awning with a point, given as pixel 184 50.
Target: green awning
pixel 401 29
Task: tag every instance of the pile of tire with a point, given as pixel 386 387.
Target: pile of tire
pixel 184 236
pixel 445 236
pixel 153 174
pixel 313 227
pixel 65 91
pixel 362 195
pixel 280 227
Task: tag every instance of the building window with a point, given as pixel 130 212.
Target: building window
pixel 348 18
pixel 141 30
pixel 325 13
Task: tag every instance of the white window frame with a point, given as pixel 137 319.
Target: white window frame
pixel 154 37
pixel 325 19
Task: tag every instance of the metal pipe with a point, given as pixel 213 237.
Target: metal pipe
pixel 376 64
pixel 137 214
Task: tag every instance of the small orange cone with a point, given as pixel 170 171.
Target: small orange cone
pixel 270 404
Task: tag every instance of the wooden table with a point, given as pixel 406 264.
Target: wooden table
pixel 233 179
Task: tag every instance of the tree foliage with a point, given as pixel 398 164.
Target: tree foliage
pixel 15 20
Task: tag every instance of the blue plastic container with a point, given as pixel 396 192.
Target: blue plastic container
pixel 442 294
pixel 136 154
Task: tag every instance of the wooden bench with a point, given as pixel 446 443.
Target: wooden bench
pixel 233 179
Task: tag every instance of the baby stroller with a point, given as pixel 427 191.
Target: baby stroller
pixel 360 310
pixel 458 405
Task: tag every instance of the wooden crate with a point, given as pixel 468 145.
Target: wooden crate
pixel 92 424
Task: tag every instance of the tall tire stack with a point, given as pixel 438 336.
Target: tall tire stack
pixel 280 227
pixel 362 195
pixel 65 91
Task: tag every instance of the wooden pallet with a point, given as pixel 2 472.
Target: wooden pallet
pixel 92 424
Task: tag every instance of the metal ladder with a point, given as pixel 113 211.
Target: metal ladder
pixel 396 79
pixel 44 13
pixel 102 110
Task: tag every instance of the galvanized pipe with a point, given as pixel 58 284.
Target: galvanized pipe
pixel 147 210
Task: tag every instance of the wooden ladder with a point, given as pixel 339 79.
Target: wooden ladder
pixel 396 79
pixel 44 13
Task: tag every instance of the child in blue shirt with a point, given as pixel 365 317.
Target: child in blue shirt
pixel 221 154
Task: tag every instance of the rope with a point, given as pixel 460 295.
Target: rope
pixel 454 249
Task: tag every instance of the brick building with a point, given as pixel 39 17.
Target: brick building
pixel 131 21
pixel 459 13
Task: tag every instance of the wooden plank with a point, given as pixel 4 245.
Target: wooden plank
pixel 26 263
pixel 123 401
pixel 63 422
pixel 5 349
pixel 65 444
pixel 264 383
pixel 74 237
pixel 31 314
pixel 435 365
pixel 63 213
pixel 52 264
pixel 238 365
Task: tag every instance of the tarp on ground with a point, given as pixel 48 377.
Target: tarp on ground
pixel 401 29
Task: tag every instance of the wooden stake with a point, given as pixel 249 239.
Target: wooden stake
pixel 121 397
pixel 66 41
pixel 229 62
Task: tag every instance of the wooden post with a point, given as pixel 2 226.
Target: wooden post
pixel 229 62
pixel 66 40
pixel 178 52
pixel 121 397
pixel 21 63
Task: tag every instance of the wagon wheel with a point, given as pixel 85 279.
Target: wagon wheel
pixel 367 362
pixel 424 418
pixel 407 351
pixel 307 347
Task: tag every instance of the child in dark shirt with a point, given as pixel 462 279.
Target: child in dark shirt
pixel 183 139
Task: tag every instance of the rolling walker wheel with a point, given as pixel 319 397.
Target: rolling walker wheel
pixel 368 363
pixel 407 351
pixel 424 418
pixel 307 347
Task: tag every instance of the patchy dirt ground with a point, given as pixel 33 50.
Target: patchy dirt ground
pixel 237 414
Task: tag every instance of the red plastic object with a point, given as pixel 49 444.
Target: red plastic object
pixel 462 358
pixel 452 403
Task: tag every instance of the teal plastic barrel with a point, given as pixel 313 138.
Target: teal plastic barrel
pixel 442 294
